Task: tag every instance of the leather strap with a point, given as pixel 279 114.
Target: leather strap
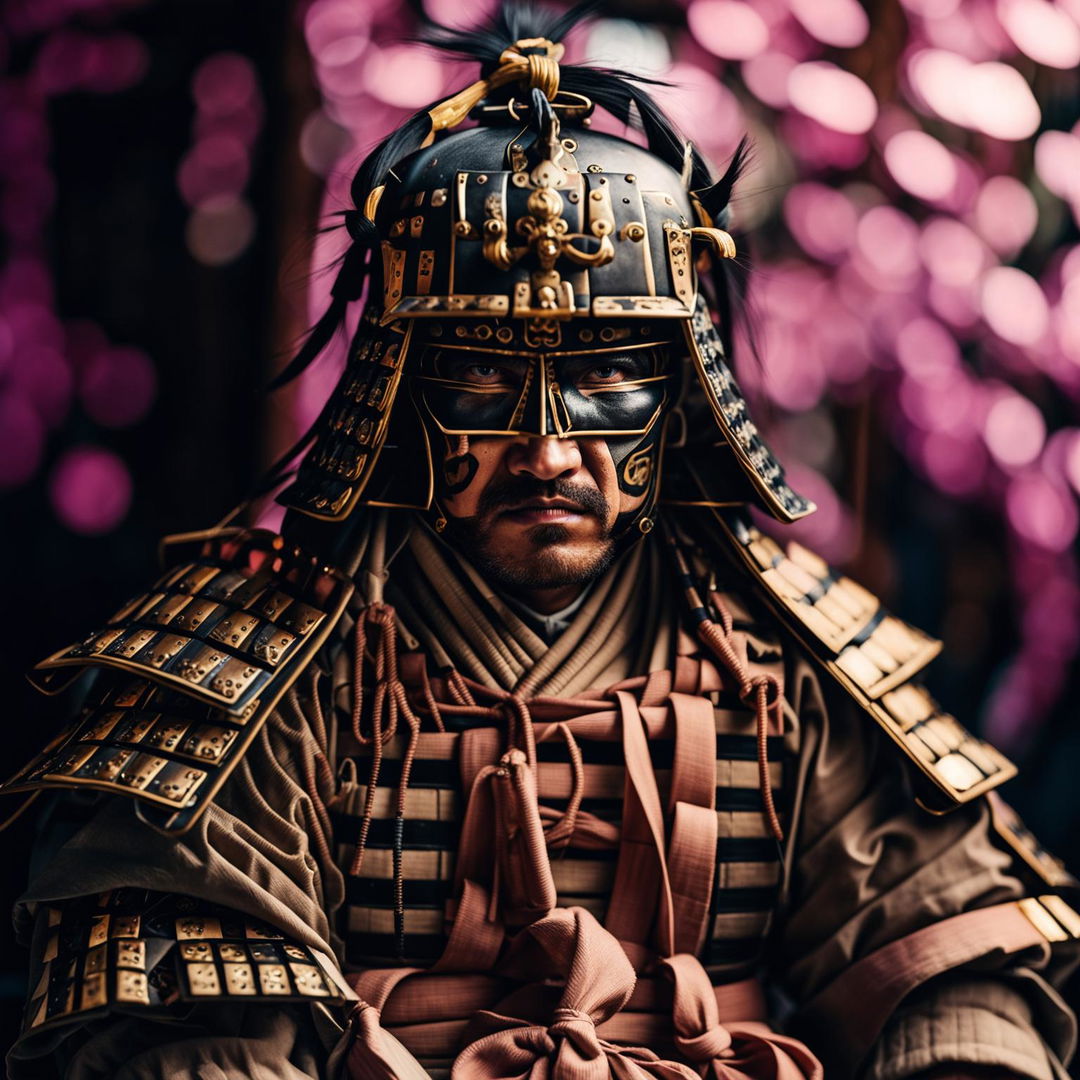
pixel 863 997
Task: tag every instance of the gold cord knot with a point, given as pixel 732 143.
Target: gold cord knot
pixel 541 70
pixel 516 64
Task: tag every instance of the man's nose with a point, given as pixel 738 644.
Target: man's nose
pixel 545 457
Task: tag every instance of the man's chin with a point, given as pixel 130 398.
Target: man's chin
pixel 545 556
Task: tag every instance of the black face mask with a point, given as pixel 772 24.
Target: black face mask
pixel 612 394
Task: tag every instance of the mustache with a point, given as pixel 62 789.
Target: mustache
pixel 519 489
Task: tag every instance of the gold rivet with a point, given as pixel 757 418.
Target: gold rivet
pixel 646 525
pixel 440 524
pixel 482 178
pixel 630 178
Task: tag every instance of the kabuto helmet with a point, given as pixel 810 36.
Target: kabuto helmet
pixel 534 245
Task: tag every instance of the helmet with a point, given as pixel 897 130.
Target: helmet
pixel 532 241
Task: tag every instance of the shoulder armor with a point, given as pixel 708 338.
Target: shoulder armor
pixel 193 667
pixel 1008 825
pixel 876 658
pixel 130 948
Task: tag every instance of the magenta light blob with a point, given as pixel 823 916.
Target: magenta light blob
pixel 450 12
pixel 702 106
pixel 932 9
pixel 830 530
pixel 937 77
pixel 45 378
pixel 999 102
pixel 951 252
pixel 22 439
pixel 1014 306
pixel 341 63
pixel 990 97
pixel 1042 31
pixel 833 97
pixel 766 77
pixel 328 20
pixel 119 63
pixel 216 165
pixel 953 463
pixel 886 242
pixel 921 165
pixel 1057 161
pixel 1014 430
pixel 926 350
pixel 224 83
pixel 794 376
pixel 820 147
pixel 842 23
pixel 821 219
pixel 728 28
pixel 323 142
pixel 91 490
pixel 381 76
pixel 118 386
pixel 220 229
pixel 1071 461
pixel 1041 511
pixel 1006 214
pixel 958 305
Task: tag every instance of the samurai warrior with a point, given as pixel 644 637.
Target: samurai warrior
pixel 522 750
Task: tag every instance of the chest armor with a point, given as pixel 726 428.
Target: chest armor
pixel 400 819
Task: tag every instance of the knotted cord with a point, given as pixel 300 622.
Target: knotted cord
pixel 522 63
pixel 763 689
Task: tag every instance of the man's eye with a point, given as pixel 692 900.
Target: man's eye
pixel 605 373
pixel 486 373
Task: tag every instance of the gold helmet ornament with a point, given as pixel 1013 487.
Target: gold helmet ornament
pixel 534 248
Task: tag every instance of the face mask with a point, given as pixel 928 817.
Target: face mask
pixel 619 392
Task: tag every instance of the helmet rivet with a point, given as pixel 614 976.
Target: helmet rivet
pixel 646 525
pixel 595 168
pixel 630 178
pixel 482 178
pixel 440 524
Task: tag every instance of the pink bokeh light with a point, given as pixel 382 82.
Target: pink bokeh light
pixel 1042 30
pixel 117 386
pixel 921 165
pixel 90 489
pixel 1014 306
pixel 835 98
pixel 729 29
pixel 1005 214
pixel 842 23
pixel 1014 431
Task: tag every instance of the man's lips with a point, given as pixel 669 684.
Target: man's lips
pixel 544 511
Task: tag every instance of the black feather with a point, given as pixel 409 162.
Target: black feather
pixel 348 286
pixel 715 197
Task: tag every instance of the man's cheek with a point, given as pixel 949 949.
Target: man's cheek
pixel 467 469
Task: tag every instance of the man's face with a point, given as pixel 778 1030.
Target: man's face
pixel 542 511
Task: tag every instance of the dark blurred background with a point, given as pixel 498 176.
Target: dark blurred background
pixel 165 166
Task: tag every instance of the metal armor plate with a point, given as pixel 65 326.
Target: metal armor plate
pixel 194 666
pixel 876 657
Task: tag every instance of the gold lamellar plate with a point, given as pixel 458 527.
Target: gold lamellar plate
pixel 352 429
pixel 876 657
pixel 193 667
pixel 1020 839
pixel 130 948
pixel 729 410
